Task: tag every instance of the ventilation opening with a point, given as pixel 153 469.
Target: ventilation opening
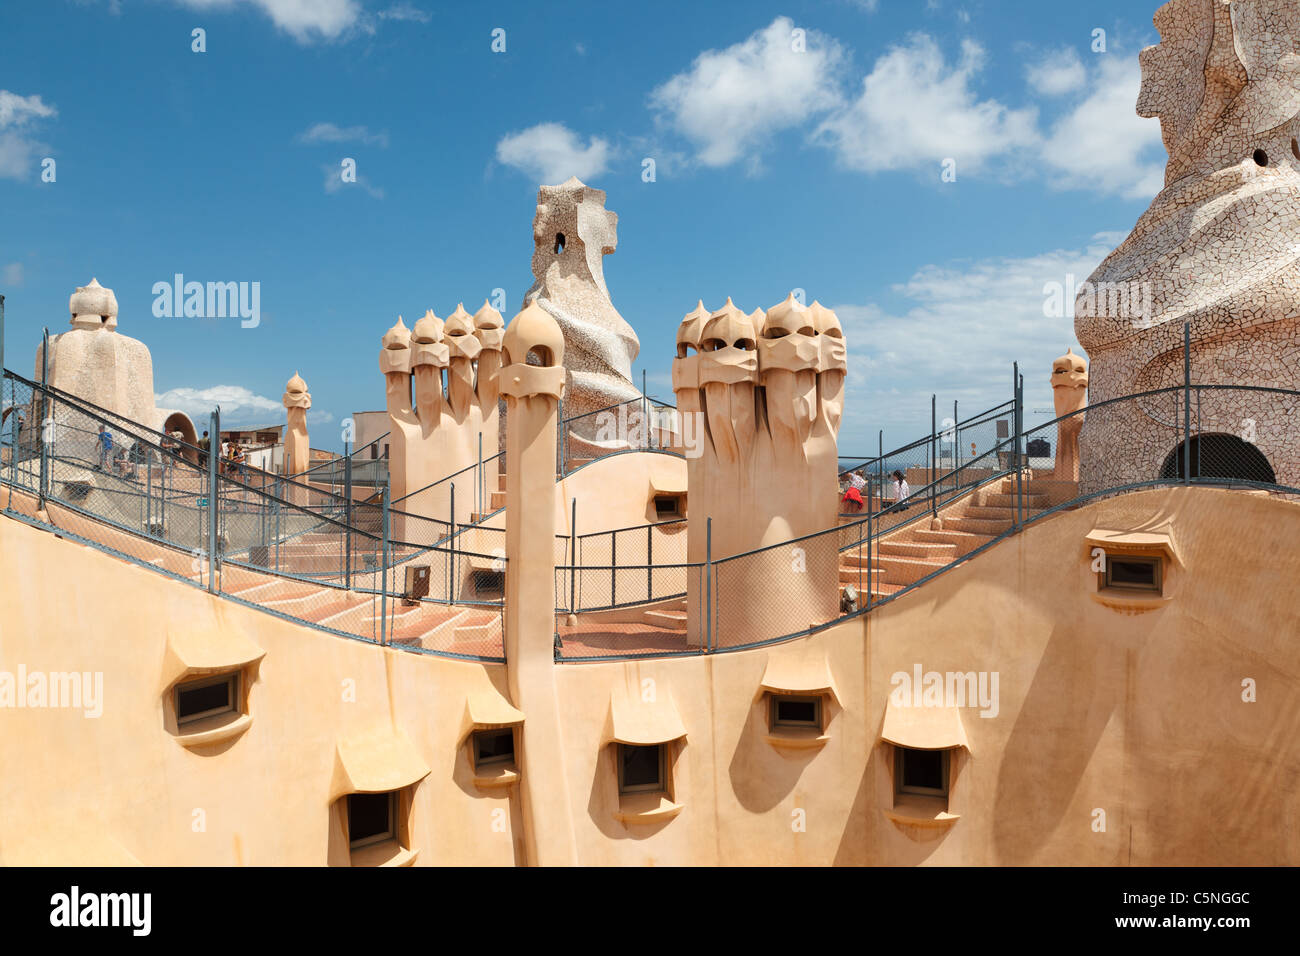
pixel 668 506
pixel 371 818
pixel 489 583
pixel 1133 573
pixel 1223 457
pixel 923 772
pixel 494 747
pixel 539 355
pixel 1295 148
pixel 559 243
pixel 641 769
pixel 1261 158
pixel 206 697
pixel 796 712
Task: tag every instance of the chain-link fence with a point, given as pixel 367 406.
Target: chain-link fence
pixel 371 572
pixel 642 424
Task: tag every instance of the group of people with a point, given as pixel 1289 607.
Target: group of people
pixel 232 460
pixel 116 458
pixel 852 483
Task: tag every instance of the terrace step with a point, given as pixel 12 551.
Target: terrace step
pixel 498 500
pixel 964 541
pixel 1005 500
pixel 910 549
pixel 476 632
pixel 992 513
pixel 852 574
pixel 907 570
pixel 673 620
pixel 988 529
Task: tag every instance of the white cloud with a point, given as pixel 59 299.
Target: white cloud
pixel 238 404
pixel 304 20
pixel 332 133
pixel 730 102
pixel 12 275
pixel 18 148
pixel 1057 73
pixel 915 109
pixel 406 12
pixel 964 325
pixel 334 182
pixel 316 417
pixel 550 153
pixel 1102 144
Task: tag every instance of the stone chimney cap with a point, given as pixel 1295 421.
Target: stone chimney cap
pixel 93 306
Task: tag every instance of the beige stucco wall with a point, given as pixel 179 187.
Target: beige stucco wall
pixel 1139 715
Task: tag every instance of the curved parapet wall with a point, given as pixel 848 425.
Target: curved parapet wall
pixel 1143 716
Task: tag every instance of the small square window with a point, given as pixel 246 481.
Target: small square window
pixel 668 506
pixel 796 711
pixel 371 818
pixel 922 772
pixel 488 583
pixel 207 697
pixel 1133 573
pixel 641 769
pixel 494 747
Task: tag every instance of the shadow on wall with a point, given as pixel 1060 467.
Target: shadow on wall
pixel 755 760
pixel 1055 736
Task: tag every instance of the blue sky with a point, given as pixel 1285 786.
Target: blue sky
pixel 818 168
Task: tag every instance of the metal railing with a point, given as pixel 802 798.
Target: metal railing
pixel 270 545
pixel 361 576
pixel 1243 437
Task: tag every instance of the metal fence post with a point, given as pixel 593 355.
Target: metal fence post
pixel 649 562
pixel 347 518
pixel 880 451
pixel 47 409
pixel 383 570
pixel 1015 447
pixel 708 585
pixel 573 555
pixel 214 496
pixel 479 495
pixel 613 568
pixel 451 553
pixel 870 547
pixel 1187 403
pixel 2 336
pixel 956 440
pixel 934 447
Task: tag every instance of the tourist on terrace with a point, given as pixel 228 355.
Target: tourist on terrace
pixel 853 494
pixel 901 491
pixel 105 447
pixel 205 445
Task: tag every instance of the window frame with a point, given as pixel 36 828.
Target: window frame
pixel 233 680
pixel 677 510
pixel 817 723
pixel 391 834
pixel 507 760
pixel 1155 561
pixel 659 786
pixel 901 788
